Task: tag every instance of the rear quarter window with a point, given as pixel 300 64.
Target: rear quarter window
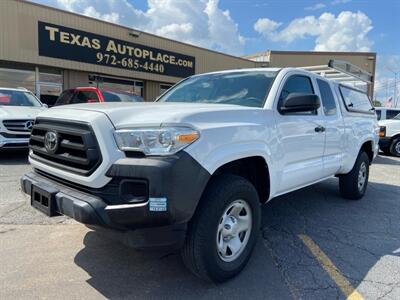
pixel 355 100
pixel 328 100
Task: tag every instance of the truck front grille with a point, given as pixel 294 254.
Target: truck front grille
pixel 19 125
pixel 71 146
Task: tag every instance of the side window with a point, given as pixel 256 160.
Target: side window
pixel 378 114
pixel 84 96
pixel 356 100
pixel 390 113
pixel 297 84
pixel 328 101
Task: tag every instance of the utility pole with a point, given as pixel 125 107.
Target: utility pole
pixel 395 89
pixel 395 85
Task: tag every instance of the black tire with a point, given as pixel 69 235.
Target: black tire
pixel 200 253
pixel 349 184
pixel 395 147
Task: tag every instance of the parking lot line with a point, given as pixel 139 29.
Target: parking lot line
pixel 345 286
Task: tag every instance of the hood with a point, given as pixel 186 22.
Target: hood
pixel 388 122
pixel 19 112
pixel 125 115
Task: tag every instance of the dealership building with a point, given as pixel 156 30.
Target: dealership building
pixel 47 50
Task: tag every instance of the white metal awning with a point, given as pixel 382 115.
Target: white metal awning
pixel 343 72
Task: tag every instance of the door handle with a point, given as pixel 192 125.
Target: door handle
pixel 319 128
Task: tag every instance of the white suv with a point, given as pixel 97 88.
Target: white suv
pixel 18 110
pixel 384 113
pixel 192 169
pixel 389 134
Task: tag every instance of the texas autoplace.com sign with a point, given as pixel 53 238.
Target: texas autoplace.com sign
pixel 76 45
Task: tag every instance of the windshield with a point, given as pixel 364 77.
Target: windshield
pixel 18 98
pixel 397 117
pixel 111 96
pixel 240 88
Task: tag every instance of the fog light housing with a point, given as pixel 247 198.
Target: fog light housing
pixel 133 191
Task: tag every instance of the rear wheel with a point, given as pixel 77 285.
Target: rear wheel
pixel 224 229
pixel 354 184
pixel 395 147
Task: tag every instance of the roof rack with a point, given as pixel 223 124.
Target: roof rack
pixel 343 72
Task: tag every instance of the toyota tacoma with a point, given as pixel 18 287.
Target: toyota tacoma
pixel 192 169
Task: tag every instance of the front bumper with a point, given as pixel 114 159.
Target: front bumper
pixel 13 141
pixel 384 142
pixel 178 181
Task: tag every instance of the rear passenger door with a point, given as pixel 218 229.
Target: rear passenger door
pixel 334 128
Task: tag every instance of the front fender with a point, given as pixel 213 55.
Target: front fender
pixel 227 153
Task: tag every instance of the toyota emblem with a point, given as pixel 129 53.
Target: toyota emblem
pixel 29 125
pixel 51 141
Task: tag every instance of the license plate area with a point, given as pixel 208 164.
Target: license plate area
pixel 43 198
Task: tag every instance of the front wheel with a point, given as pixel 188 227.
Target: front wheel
pixel 224 230
pixel 395 147
pixel 354 184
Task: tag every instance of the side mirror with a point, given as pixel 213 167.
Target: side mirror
pixel 45 105
pixel 297 102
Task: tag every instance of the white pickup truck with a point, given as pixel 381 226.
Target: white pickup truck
pixel 192 169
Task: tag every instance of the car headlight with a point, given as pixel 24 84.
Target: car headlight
pixel 156 141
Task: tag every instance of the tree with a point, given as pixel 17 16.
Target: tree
pixel 377 103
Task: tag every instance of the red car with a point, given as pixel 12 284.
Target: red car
pixel 94 95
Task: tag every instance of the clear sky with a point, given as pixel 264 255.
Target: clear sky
pixel 247 26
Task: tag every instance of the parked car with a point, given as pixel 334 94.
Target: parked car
pixel 384 113
pixel 94 95
pixel 192 169
pixel 389 136
pixel 18 110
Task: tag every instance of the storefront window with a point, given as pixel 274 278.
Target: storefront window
pixel 47 84
pixel 18 78
pixel 50 86
pixel 164 88
pixel 118 85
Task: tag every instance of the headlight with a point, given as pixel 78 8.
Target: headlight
pixel 156 141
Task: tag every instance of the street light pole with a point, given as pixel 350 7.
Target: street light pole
pixel 395 89
pixel 395 85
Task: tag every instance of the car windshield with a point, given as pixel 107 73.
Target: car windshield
pixel 397 117
pixel 111 96
pixel 240 88
pixel 18 98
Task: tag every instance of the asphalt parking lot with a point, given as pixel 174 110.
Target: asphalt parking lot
pixel 313 245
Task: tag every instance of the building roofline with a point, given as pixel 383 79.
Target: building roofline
pixel 130 28
pixel 269 52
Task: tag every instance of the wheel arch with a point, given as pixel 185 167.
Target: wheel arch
pixel 396 136
pixel 351 154
pixel 367 147
pixel 254 168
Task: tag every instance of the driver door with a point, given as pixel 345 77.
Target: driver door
pixel 301 138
